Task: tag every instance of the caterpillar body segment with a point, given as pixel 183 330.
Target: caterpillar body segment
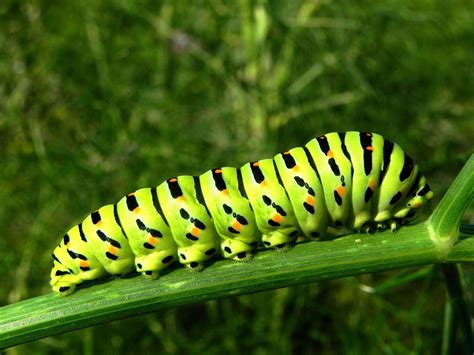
pixel 305 191
pixel 189 219
pixel 366 164
pixel 334 169
pixel 147 230
pixel 231 211
pixel 352 180
pixel 274 214
pixel 74 261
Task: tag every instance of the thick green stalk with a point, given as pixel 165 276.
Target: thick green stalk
pixel 354 254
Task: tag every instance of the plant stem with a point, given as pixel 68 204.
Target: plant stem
pixel 459 306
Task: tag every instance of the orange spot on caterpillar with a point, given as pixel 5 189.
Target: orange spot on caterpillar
pixel 99 224
pixel 369 148
pixel 330 154
pixel 218 171
pixel 295 168
pixel 263 183
pixel 152 240
pixel 341 191
pixel 173 180
pixel 136 210
pixel 237 225
pixel 372 184
pixel 256 163
pixel 131 194
pixel 286 153
pixel 310 200
pixel 181 198
pixel 83 263
pixel 195 231
pixel 225 192
pixel 112 250
pixel 277 217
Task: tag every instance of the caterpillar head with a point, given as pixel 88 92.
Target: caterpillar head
pixel 417 201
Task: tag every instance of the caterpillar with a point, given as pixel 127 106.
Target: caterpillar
pixel 357 181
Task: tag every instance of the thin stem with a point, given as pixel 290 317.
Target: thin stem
pixel 449 329
pixel 457 299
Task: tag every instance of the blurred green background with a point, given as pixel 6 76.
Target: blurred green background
pixel 99 98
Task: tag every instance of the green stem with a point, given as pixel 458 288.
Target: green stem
pixel 447 216
pixel 457 299
pixel 449 329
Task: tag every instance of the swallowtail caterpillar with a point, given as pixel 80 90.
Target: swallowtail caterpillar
pixel 352 180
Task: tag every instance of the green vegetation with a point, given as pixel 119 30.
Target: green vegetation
pixel 100 98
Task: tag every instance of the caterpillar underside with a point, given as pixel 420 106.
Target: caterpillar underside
pixel 356 181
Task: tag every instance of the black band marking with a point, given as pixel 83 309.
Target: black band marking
pixel 387 152
pixel 257 172
pixel 407 168
pixel 240 184
pixel 156 204
pixel 366 143
pixel 117 220
pixel 81 233
pixel 219 179
pixel 199 194
pixel 290 162
pixel 174 188
pixel 95 216
pixel 132 202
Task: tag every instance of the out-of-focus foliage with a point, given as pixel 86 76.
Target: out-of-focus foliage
pixel 98 98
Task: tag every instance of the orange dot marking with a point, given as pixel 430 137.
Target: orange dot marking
pixel 152 240
pixel 256 163
pixel 372 184
pixel 99 224
pixel 369 148
pixel 237 225
pixel 84 263
pixel 225 192
pixel 277 217
pixel 341 191
pixel 173 180
pixel 136 210
pixel 330 154
pixel 218 171
pixel 181 198
pixel 130 194
pixel 310 200
pixel 296 168
pixel 195 231
pixel 112 250
pixel 286 153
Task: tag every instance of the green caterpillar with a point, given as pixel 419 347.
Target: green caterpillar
pixel 357 181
